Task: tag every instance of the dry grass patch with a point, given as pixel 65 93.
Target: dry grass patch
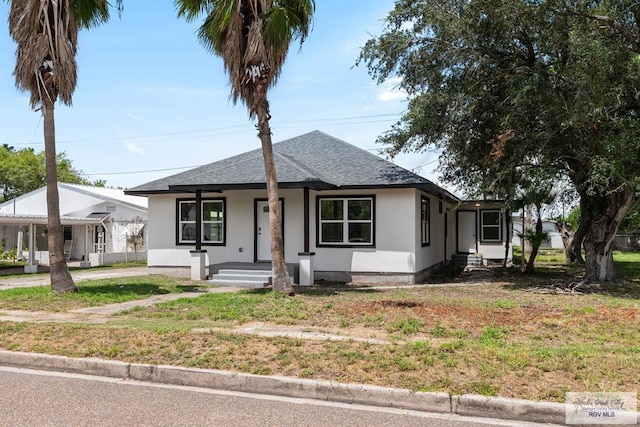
pixel 496 339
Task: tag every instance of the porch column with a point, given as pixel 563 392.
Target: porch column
pixel 198 220
pixel 198 260
pixel 306 268
pixel 85 260
pixel 306 218
pixel 31 266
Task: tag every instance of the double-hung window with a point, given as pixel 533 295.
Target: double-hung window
pixel 346 221
pixel 425 216
pixel 213 216
pixel 490 225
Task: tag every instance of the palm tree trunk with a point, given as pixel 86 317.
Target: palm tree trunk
pixel 61 280
pixel 281 279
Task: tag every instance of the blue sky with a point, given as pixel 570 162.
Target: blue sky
pixel 151 98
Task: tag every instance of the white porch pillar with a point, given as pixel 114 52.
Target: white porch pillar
pixel 198 264
pixel 31 266
pixel 306 268
pixel 85 263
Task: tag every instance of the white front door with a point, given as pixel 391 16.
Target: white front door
pixel 263 233
pixel 467 232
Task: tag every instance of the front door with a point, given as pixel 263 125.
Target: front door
pixel 262 231
pixel 467 232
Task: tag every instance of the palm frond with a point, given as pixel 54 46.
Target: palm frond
pixel 251 36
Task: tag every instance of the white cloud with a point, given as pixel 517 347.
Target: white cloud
pixel 390 90
pixel 133 148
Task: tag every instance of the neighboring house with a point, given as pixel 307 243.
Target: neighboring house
pixel 95 221
pixel 553 241
pixel 356 216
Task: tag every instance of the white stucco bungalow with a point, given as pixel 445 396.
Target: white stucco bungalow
pixel 95 221
pixel 352 215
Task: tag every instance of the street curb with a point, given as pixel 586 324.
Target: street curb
pixel 464 405
pixel 511 409
pixel 293 387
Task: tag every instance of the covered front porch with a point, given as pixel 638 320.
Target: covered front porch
pixel 27 233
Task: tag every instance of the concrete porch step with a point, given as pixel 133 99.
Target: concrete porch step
pixel 467 259
pixel 241 278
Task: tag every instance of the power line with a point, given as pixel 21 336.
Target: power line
pixel 168 136
pixel 144 171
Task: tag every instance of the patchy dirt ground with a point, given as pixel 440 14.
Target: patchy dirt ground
pixel 493 339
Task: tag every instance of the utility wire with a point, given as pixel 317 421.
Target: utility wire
pixel 226 130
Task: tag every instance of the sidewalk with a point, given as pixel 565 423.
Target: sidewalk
pixel 41 279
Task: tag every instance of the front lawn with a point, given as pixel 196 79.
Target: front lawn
pixel 505 338
pixel 90 293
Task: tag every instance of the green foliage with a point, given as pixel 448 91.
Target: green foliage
pixel 631 223
pixel 573 219
pixel 23 170
pixel 517 94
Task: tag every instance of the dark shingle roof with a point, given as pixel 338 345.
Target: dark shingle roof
pixel 314 160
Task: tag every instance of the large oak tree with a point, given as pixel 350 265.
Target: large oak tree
pixel 511 88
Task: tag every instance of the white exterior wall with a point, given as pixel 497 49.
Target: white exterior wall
pixel 434 253
pixel 239 234
pixel 398 248
pixel 488 250
pixel 395 235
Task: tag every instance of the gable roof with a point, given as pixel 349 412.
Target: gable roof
pixel 314 160
pixel 106 194
pixel 110 194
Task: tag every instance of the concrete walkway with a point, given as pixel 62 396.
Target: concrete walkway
pixel 42 279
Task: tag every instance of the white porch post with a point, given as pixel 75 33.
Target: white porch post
pixel 85 263
pixel 31 266
pixel 306 268
pixel 198 264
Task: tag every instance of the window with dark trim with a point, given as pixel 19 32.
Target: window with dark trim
pixel 425 216
pixel 346 221
pixel 491 225
pixel 213 221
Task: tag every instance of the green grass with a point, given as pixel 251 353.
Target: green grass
pixel 496 339
pixel 627 265
pixel 90 293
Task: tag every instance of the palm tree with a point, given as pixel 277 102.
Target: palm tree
pixel 252 37
pixel 46 33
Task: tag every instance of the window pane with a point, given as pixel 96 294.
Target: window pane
pixel 491 233
pixel 212 232
pixel 491 218
pixel 360 233
pixel 187 211
pixel 332 232
pixel 425 210
pixel 359 209
pixel 188 232
pixel 331 209
pixel 212 211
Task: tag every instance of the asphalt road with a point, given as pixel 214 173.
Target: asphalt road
pixel 39 398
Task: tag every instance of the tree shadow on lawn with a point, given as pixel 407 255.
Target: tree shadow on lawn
pixel 140 289
pixel 559 279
